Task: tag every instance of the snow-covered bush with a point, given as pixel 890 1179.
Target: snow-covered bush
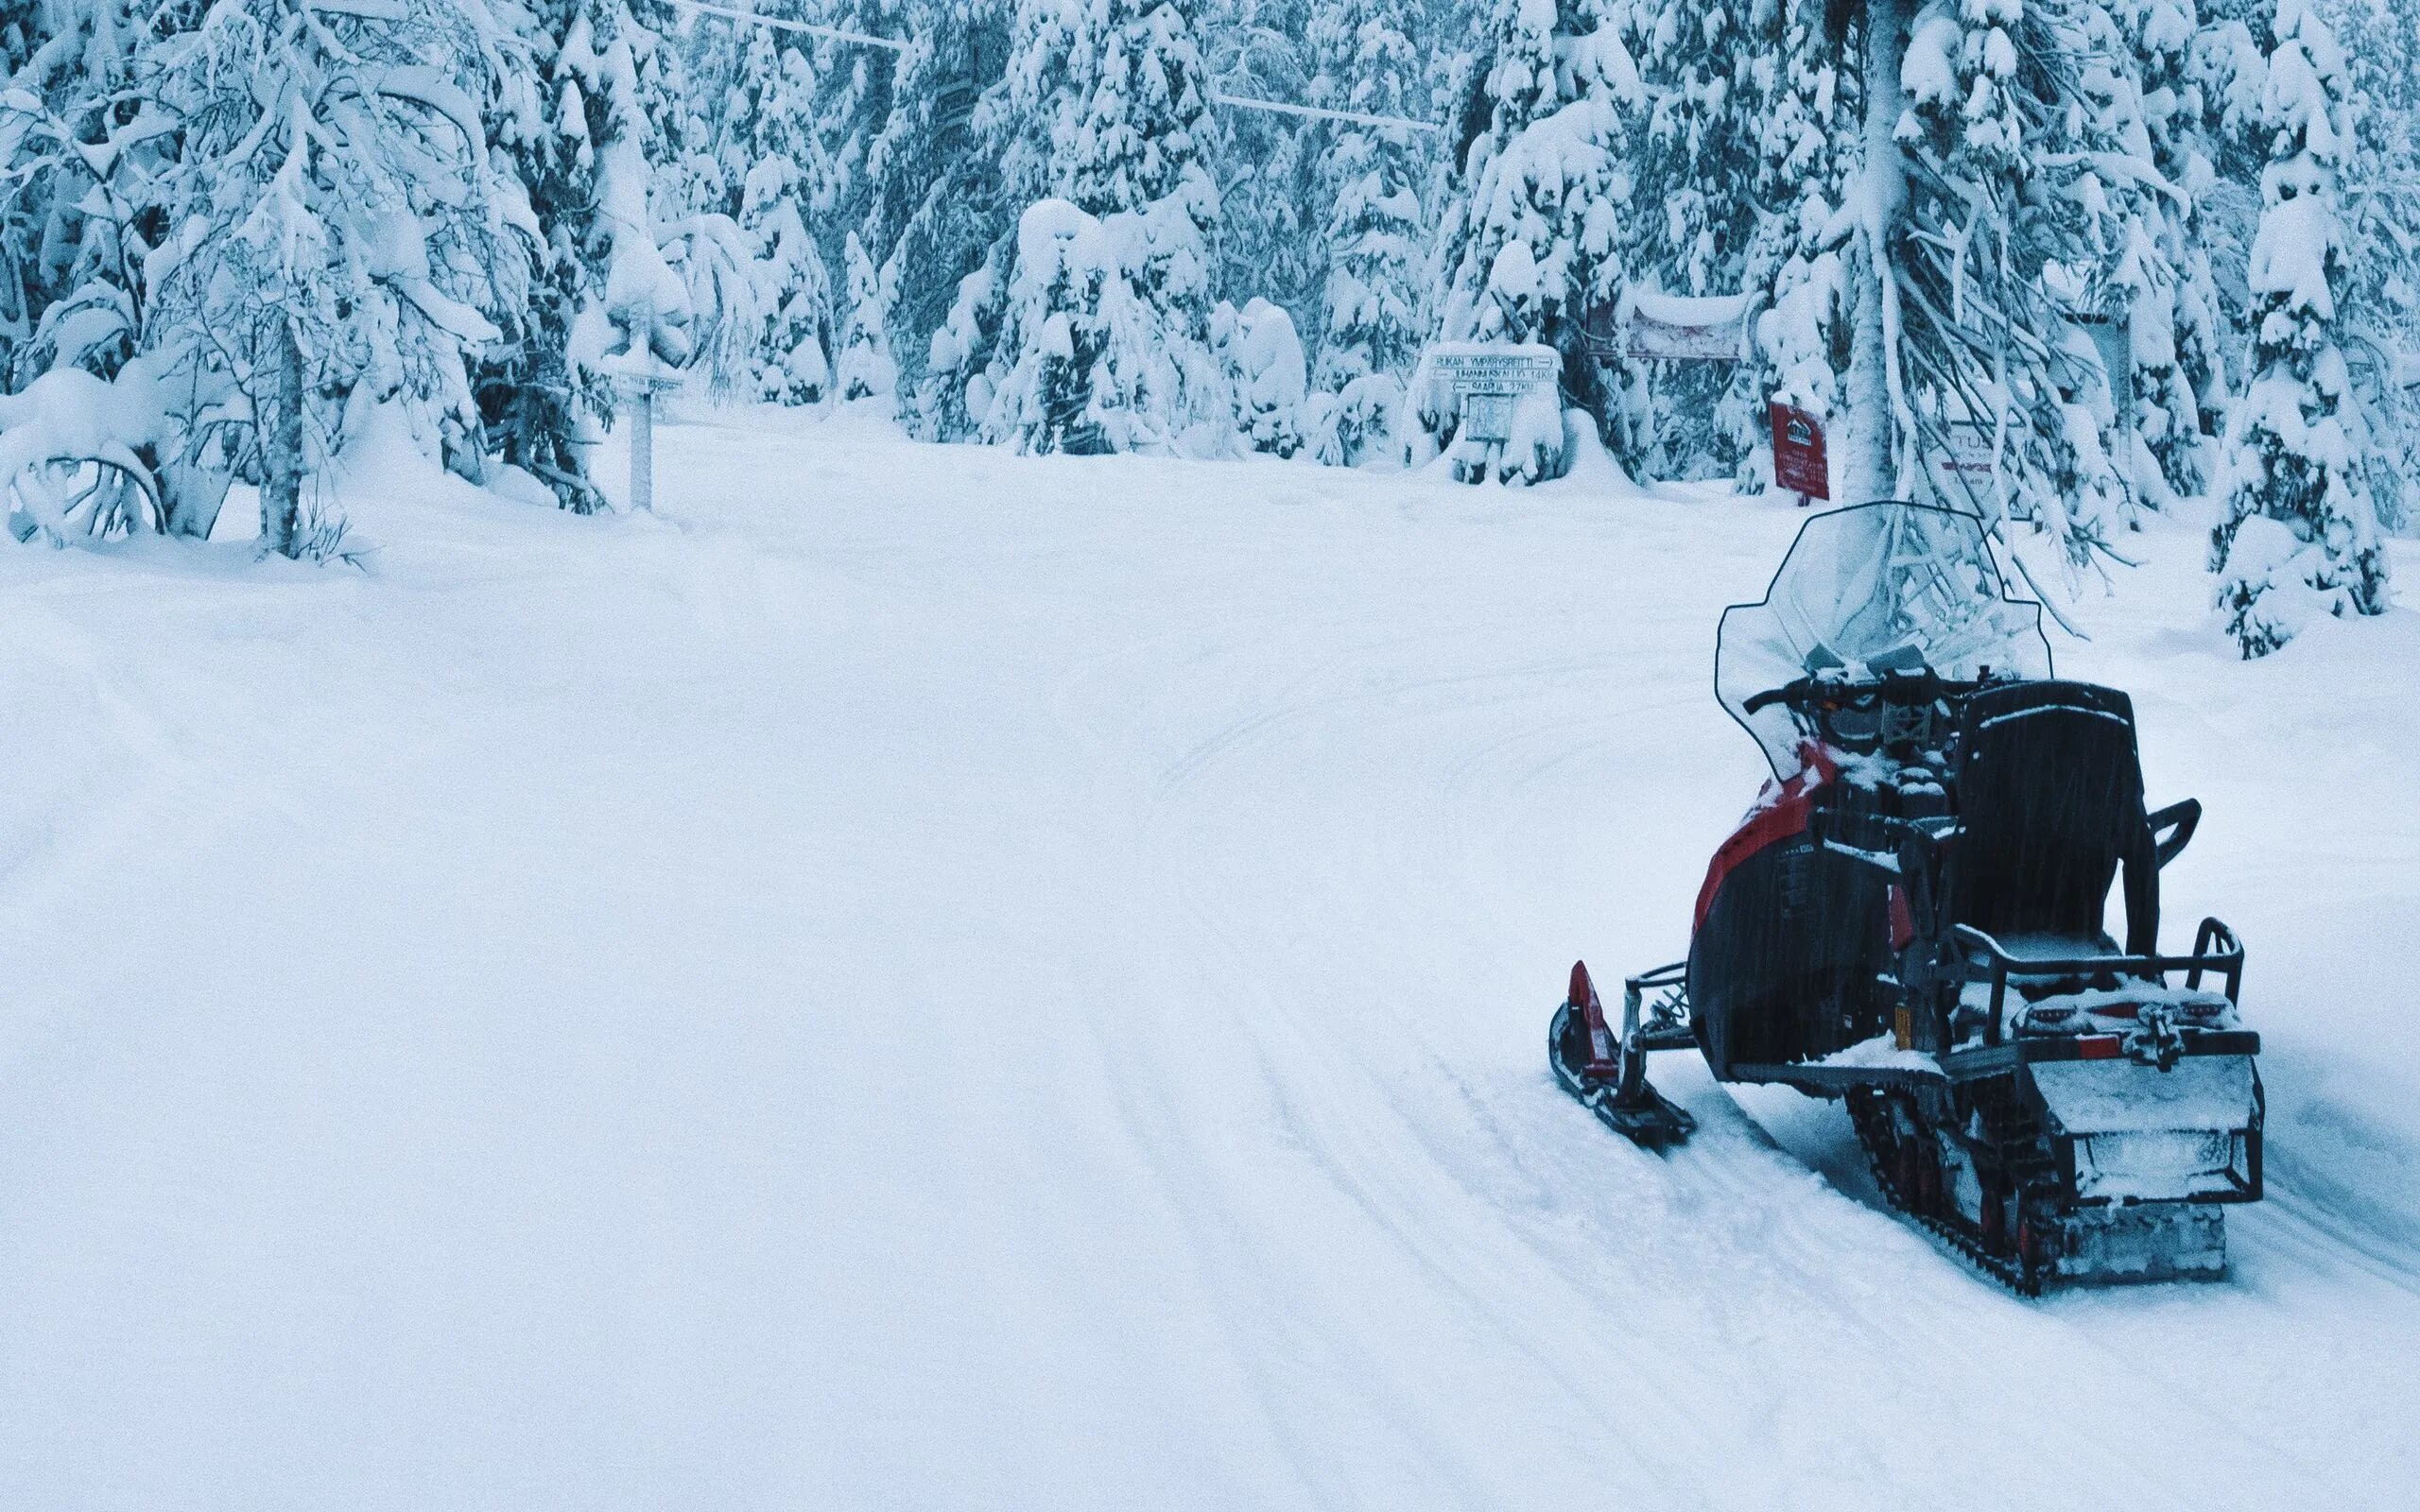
pixel 1264 362
pixel 866 369
pixel 71 458
pixel 2300 537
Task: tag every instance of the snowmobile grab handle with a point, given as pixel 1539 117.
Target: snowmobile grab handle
pixel 2215 948
pixel 2172 828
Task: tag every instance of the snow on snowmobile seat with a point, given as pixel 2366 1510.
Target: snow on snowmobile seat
pixel 2049 804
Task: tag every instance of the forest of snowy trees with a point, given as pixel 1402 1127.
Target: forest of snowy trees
pixel 2132 250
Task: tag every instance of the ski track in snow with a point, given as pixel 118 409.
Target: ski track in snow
pixel 924 978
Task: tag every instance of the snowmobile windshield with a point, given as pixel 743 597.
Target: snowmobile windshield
pixel 1866 593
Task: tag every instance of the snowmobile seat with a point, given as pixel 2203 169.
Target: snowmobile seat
pixel 2049 795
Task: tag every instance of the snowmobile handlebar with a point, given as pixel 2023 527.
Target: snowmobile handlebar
pixel 1821 691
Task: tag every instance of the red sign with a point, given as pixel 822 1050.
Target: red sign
pixel 1798 451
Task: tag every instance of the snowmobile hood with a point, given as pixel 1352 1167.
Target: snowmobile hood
pixel 1872 589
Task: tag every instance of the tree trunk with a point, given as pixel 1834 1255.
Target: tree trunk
pixel 282 449
pixel 1868 467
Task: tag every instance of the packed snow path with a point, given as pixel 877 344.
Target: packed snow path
pixel 927 979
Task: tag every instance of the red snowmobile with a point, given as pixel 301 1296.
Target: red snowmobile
pixel 1914 918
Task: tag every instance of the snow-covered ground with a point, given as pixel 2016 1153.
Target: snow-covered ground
pixel 930 979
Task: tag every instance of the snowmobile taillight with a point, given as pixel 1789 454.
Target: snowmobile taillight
pixel 2056 1018
pixel 2099 1047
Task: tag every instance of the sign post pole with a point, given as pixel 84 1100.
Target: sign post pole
pixel 638 389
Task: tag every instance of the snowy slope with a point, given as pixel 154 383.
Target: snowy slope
pixel 924 978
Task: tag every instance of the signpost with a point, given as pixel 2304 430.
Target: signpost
pixel 1799 463
pixel 1487 382
pixel 1966 464
pixel 638 388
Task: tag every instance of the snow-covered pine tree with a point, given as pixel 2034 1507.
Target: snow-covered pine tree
pixel 1065 294
pixel 639 314
pixel 792 360
pixel 2181 370
pixel 543 407
pixel 866 369
pixel 2379 199
pixel 1983 218
pixel 1269 243
pixel 1102 105
pixel 1264 364
pixel 856 89
pixel 1691 159
pixel 936 205
pixel 70 284
pixel 1532 220
pixel 2114 258
pixel 334 230
pixel 1807 82
pixel 2300 537
pixel 1374 303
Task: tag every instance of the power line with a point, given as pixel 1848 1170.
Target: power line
pixel 1315 113
pixel 1232 101
pixel 777 24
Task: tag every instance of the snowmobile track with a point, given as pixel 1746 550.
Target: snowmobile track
pixel 1871 1136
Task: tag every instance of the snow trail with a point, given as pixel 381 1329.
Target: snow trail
pixel 927 978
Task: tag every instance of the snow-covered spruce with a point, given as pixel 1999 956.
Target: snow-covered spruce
pixel 1373 302
pixel 1531 225
pixel 1101 108
pixel 2300 536
pixel 336 232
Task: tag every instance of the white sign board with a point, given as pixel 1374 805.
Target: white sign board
pixel 1667 328
pixel 1484 382
pixel 1964 470
pixel 1969 456
pixel 1508 371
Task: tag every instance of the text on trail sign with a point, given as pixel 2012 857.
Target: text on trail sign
pixel 1494 372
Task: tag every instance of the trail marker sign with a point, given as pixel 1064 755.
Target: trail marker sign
pixel 1487 382
pixel 1494 370
pixel 1799 463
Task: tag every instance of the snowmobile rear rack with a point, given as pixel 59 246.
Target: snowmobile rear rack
pixel 2226 959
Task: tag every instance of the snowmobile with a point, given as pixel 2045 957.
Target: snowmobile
pixel 1914 920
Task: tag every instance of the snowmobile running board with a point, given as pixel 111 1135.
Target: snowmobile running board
pixel 1608 1073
